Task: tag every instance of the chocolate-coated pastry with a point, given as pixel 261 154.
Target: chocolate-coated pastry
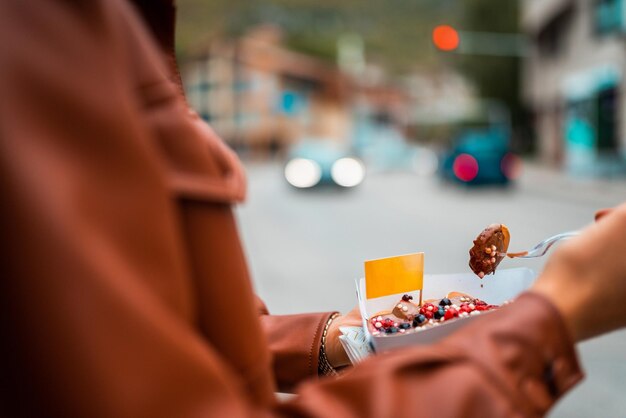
pixel 489 249
pixel 405 309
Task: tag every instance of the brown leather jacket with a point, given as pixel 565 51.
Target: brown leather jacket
pixel 124 289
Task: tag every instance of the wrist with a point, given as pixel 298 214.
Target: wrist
pixel 562 305
pixel 558 286
pixel 324 367
pixel 335 353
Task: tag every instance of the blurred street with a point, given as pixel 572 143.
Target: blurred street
pixel 481 82
pixel 305 248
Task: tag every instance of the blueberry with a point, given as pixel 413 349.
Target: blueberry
pixel 391 330
pixel 439 314
pixel 419 320
pixel 405 325
pixel 445 302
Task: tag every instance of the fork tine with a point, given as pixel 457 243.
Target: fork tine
pixel 543 247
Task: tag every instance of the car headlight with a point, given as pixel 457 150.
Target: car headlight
pixel 347 172
pixel 303 173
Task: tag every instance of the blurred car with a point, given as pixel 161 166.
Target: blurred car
pixel 479 157
pixel 316 162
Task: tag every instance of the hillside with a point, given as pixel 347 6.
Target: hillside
pixel 396 32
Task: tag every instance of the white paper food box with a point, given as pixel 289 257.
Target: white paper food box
pixel 496 289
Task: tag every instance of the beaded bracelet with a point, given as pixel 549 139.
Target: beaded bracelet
pixel 324 367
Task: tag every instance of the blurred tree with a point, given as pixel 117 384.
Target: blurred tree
pixel 396 32
pixel 496 77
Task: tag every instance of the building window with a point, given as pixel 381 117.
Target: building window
pixel 551 38
pixel 608 16
pixel 202 86
pixel 608 139
pixel 592 123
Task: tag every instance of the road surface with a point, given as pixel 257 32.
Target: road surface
pixel 306 248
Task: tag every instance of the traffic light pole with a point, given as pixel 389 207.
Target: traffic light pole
pixel 491 44
pixel 448 39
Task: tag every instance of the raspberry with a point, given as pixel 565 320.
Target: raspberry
pixel 451 313
pixel 428 307
pixel 387 322
pixel 465 308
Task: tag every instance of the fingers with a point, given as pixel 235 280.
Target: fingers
pixel 601 213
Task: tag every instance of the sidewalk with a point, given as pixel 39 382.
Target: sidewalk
pixel 541 180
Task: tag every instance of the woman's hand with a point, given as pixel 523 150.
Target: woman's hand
pixel 602 212
pixel 586 277
pixel 335 353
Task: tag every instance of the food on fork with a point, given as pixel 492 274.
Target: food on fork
pixel 407 317
pixel 489 249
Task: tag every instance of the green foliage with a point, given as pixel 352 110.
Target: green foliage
pixel 397 33
pixel 495 77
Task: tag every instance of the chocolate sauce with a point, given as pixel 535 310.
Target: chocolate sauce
pixel 489 249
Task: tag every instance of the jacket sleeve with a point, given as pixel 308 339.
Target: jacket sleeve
pixel 515 362
pixel 294 342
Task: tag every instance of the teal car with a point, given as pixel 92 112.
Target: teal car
pixel 480 157
pixel 316 162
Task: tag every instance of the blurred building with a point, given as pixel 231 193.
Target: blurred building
pixel 444 98
pixel 574 82
pixel 260 96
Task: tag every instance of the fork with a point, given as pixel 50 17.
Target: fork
pixel 543 247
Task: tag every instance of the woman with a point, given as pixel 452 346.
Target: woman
pixel 125 292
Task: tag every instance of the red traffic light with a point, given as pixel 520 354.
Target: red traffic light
pixel 446 38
